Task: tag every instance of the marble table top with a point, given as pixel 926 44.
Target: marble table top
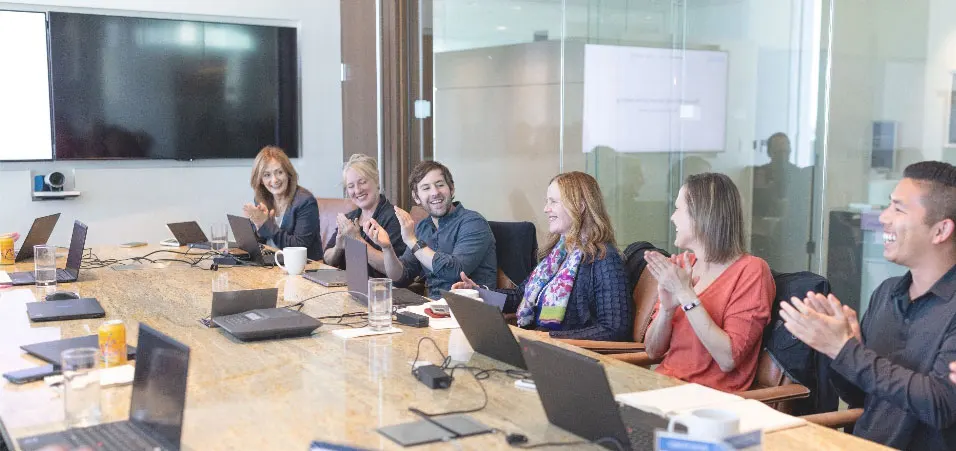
pixel 282 394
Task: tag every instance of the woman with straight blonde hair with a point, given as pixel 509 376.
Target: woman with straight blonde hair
pixel 360 176
pixel 715 300
pixel 285 214
pixel 578 290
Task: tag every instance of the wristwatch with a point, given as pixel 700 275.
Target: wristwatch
pixel 689 307
pixel 419 245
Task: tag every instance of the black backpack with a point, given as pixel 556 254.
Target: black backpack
pixel 798 361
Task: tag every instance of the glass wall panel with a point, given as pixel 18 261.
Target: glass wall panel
pixel 497 102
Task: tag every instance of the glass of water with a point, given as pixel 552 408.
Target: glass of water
pixel 379 304
pixel 81 386
pixel 44 265
pixel 219 238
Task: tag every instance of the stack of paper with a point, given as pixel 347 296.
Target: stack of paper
pixel 683 399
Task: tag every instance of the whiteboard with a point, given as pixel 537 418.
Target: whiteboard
pixel 640 99
pixel 25 129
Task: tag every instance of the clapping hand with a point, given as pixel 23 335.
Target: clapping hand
pixel 259 214
pixel 465 283
pixel 347 228
pixel 826 330
pixel 673 279
pixel 407 224
pixel 378 234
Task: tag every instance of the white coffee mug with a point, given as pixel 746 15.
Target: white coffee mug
pixel 467 292
pixel 708 424
pixel 294 260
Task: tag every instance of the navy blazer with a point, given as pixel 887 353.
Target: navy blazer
pixel 300 226
pixel 599 307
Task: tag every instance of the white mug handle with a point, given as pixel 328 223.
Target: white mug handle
pixel 681 420
pixel 276 257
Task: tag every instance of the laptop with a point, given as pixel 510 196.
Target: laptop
pixel 49 351
pixel 332 278
pixel 190 234
pixel 493 297
pixel 246 239
pixel 356 275
pixel 83 308
pixel 232 302
pixel 485 328
pixel 73 260
pixel 156 406
pixel 39 233
pixel 263 324
pixel 576 397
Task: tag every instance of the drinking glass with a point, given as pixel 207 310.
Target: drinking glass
pixel 379 304
pixel 44 265
pixel 81 386
pixel 219 238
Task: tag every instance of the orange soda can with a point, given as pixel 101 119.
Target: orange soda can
pixel 6 250
pixel 112 343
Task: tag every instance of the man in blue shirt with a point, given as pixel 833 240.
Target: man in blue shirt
pixel 452 240
pixel 895 364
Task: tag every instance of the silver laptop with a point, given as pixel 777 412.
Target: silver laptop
pixel 331 278
pixel 356 274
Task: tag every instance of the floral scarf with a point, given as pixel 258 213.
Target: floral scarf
pixel 550 283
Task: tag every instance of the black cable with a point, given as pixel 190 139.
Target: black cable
pixel 302 302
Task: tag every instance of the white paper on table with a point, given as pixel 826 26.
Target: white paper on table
pixel 363 332
pixel 434 323
pixel 117 375
pixel 679 398
pixel 5 278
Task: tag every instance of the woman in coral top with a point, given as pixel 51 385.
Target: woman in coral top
pixel 715 300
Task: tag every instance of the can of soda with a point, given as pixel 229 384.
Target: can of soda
pixel 6 250
pixel 112 343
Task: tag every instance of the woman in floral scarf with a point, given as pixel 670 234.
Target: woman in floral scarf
pixel 578 290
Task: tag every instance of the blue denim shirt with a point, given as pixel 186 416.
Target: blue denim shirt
pixel 462 242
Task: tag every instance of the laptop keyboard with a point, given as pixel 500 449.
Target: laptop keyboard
pixel 120 436
pixel 640 426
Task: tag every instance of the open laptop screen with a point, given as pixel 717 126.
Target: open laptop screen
pixel 77 243
pixel 159 385
pixel 39 233
pixel 356 266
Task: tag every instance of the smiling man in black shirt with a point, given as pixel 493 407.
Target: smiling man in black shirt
pixel 895 364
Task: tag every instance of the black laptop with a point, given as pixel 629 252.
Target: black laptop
pixel 246 239
pixel 156 407
pixel 83 308
pixel 576 397
pixel 39 233
pixel 356 275
pixel 49 351
pixel 190 234
pixel 231 302
pixel 485 328
pixel 73 260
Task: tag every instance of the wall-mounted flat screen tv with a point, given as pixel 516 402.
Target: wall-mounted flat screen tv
pixel 142 88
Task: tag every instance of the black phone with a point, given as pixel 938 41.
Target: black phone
pixel 32 374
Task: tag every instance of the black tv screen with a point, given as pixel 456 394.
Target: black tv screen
pixel 141 88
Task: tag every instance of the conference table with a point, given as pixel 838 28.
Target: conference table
pixel 283 394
